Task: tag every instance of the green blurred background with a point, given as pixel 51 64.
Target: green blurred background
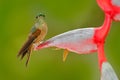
pixel 16 20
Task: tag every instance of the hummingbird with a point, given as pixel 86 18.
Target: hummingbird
pixel 36 35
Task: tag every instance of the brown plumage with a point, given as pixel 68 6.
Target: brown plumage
pixel 28 46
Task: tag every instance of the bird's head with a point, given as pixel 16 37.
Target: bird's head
pixel 39 20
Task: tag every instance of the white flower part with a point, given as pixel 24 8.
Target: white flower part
pixel 107 72
pixel 78 41
pixel 116 2
pixel 117 17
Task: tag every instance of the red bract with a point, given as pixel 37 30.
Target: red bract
pixel 100 36
pixel 111 7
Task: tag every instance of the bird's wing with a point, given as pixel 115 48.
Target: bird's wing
pixel 26 46
pixel 28 43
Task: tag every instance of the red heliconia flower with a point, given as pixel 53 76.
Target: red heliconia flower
pixel 81 41
pixel 88 40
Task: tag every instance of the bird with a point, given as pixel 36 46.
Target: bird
pixel 36 35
